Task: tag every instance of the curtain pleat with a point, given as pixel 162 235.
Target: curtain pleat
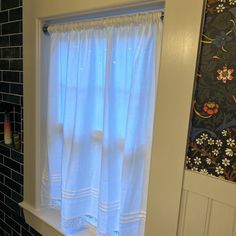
pixel 101 98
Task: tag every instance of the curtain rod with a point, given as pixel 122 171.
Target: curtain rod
pixel 45 27
pixel 151 6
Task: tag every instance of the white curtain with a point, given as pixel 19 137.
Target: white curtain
pixel 101 96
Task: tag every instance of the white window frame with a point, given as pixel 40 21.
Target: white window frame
pixel 178 61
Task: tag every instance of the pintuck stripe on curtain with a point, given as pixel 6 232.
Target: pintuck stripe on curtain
pixel 101 98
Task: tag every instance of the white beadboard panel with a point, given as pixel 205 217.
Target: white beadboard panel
pixel 196 212
pixel 208 206
pixel 222 220
pixel 211 187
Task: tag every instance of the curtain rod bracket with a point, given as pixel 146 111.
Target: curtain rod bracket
pixel 45 29
pixel 162 15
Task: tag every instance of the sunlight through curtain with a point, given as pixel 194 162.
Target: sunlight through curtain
pixel 101 98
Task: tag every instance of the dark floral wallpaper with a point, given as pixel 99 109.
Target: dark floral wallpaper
pixel 212 141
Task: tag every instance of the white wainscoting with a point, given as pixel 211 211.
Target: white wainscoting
pixel 208 206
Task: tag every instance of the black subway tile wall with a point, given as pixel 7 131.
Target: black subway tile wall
pixel 12 221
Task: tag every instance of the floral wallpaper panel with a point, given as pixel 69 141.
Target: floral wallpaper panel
pixel 212 141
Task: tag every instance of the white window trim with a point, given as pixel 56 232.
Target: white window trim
pixel 179 56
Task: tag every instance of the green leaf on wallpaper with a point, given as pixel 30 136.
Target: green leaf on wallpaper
pixel 223 55
pixel 233 11
pixel 222 21
pixel 230 108
pixel 206 54
pixel 204 94
pixel 206 50
pixel 212 65
pixel 218 94
pixel 231 47
pixel 232 90
pixel 226 57
pixel 205 68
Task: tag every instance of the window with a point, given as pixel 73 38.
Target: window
pixel 175 83
pixel 101 99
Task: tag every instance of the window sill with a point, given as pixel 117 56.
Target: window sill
pixel 47 222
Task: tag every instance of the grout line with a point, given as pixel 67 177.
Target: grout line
pixel 14 94
pixel 14 46
pixel 13 21
pixel 12 70
pixel 13 181
pixel 8 82
pixel 11 58
pixel 7 9
pixel 12 160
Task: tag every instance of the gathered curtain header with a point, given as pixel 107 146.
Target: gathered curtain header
pixel 134 19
